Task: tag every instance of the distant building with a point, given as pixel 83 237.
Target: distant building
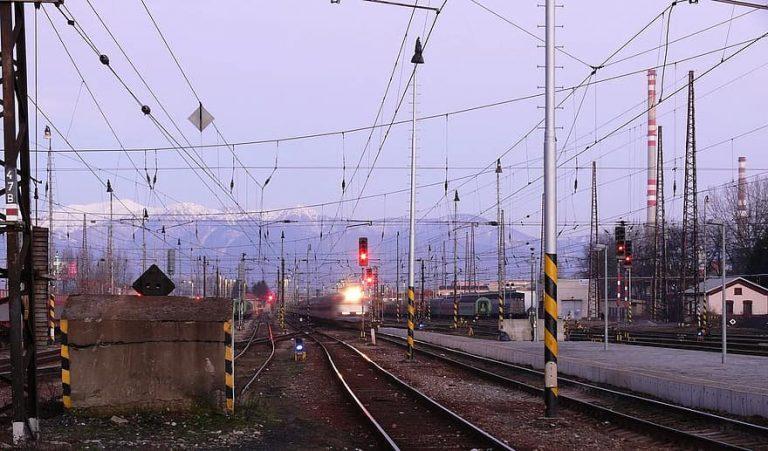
pixel 572 297
pixel 743 298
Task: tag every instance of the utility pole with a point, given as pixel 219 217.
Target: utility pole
pixel 594 238
pixel 18 224
pixel 550 220
pixel 690 244
pixel 85 263
pixel 455 259
pixel 473 259
pixel 110 242
pixel 397 277
pixel 282 280
pixel 205 277
pixel 144 218
pixel 217 291
pixel 534 297
pixel 499 246
pixel 417 59
pixel 421 292
pixel 444 274
pixel 467 272
pixel 49 192
pixel 309 248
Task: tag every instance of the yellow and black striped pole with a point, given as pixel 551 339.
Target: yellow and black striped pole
pixel 411 314
pixel 66 390
pixel 229 367
pixel 550 334
pixel 51 318
pixel 455 311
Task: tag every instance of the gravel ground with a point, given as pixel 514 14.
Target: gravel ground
pixel 513 416
pixel 304 406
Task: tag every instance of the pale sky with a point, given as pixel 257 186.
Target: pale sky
pixel 272 70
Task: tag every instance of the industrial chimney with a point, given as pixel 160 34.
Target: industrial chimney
pixel 741 207
pixel 652 134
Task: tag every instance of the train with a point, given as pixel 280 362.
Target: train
pixel 351 301
pixel 471 305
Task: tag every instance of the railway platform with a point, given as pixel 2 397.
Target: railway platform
pixel 695 379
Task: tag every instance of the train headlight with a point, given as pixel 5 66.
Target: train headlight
pixel 353 294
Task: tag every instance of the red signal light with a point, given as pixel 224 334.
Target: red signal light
pixel 362 251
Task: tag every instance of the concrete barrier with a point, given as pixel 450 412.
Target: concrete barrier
pixel 127 353
pixel 520 329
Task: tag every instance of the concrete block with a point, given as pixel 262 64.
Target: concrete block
pixel 129 353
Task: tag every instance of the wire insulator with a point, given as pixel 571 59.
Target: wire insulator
pixel 104 59
pixel 146 109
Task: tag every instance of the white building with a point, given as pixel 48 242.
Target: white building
pixel 743 298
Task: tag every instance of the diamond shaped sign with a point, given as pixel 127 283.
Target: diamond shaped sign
pixel 153 282
pixel 201 118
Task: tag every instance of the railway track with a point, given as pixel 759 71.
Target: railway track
pixel 746 345
pixel 253 340
pixel 403 417
pixel 679 424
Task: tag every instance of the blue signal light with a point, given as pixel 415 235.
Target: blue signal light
pixel 299 347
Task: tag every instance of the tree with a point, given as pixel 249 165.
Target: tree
pixel 260 289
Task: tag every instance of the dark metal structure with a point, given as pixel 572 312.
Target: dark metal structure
pixel 16 221
pixel 594 271
pixel 689 267
pixel 659 291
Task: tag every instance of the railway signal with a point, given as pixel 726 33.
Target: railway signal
pixel 628 253
pixel 620 236
pixel 362 251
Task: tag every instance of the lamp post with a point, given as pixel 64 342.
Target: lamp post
pixel 724 303
pixel 417 59
pixel 604 248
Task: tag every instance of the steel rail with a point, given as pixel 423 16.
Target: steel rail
pixel 423 397
pixel 592 408
pixel 379 429
pixel 264 365
pixel 250 340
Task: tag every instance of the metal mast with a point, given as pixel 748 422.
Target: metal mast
pixel 110 242
pixel 49 193
pixel 455 259
pixel 417 59
pixel 659 304
pixel 18 223
pixel 144 241
pixel 594 237
pixel 550 219
pixel 85 263
pixel 397 278
pixel 500 245
pixel 689 274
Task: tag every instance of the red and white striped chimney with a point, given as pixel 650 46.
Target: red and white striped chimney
pixel 652 135
pixel 741 206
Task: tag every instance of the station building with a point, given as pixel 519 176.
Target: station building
pixel 743 298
